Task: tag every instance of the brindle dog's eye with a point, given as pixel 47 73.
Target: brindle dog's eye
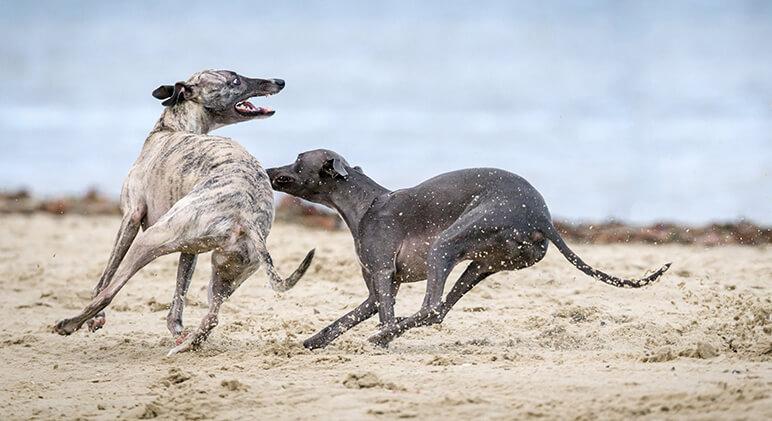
pixel 236 81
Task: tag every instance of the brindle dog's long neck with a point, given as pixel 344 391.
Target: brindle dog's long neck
pixel 187 117
pixel 354 198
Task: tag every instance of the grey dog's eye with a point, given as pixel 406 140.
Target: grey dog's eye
pixel 236 81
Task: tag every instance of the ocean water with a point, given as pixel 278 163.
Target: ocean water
pixel 639 111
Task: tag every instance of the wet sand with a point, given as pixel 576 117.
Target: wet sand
pixel 544 342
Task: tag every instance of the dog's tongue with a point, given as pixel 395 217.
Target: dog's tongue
pixel 249 107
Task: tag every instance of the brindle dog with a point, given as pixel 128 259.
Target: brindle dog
pixel 492 217
pixel 192 193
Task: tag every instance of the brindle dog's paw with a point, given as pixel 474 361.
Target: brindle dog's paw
pixel 97 322
pixel 175 327
pixel 64 327
pixel 180 338
pixel 187 341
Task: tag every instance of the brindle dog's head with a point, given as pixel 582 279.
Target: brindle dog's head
pixel 222 94
pixel 313 176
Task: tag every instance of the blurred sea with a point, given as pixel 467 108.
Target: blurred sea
pixel 639 111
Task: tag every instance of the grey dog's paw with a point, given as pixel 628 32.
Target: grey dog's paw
pixel 313 343
pixel 381 339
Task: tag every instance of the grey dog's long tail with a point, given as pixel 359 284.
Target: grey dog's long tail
pixel 277 282
pixel 552 234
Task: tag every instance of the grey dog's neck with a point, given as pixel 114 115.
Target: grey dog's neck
pixel 187 117
pixel 354 197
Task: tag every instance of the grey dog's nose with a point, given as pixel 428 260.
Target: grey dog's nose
pixel 279 82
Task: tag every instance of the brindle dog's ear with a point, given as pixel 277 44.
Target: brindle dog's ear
pixel 175 93
pixel 163 91
pixel 335 168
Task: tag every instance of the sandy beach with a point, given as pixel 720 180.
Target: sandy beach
pixel 546 342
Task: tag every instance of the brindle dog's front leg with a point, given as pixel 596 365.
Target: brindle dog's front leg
pixel 130 225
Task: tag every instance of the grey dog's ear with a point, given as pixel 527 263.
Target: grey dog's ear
pixel 175 93
pixel 335 168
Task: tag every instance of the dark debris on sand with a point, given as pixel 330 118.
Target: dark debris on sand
pixel 296 211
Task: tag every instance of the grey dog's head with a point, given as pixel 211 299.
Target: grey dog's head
pixel 313 176
pixel 222 94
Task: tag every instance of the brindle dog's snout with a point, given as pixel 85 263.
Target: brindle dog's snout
pixel 265 86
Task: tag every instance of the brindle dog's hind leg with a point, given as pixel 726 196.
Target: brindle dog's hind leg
pixel 154 242
pixel 184 273
pixel 126 234
pixel 228 271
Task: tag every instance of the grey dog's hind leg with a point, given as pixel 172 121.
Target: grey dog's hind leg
pixel 185 270
pixel 128 231
pixel 472 276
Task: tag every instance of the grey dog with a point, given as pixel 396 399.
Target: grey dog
pixel 192 193
pixel 492 217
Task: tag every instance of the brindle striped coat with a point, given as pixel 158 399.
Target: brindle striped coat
pixel 191 192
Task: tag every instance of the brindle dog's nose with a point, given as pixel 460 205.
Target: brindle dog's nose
pixel 279 82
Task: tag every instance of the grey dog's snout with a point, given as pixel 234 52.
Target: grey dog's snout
pixel 277 180
pixel 278 82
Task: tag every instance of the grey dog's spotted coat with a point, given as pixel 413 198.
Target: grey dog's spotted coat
pixel 191 193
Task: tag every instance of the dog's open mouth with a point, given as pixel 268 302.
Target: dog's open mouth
pixel 246 108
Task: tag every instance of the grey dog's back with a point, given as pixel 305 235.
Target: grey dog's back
pixel 507 196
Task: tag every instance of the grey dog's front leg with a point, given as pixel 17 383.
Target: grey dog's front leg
pixel 384 291
pixel 184 273
pixel 361 313
pixel 472 276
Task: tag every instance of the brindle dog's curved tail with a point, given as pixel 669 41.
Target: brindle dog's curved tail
pixel 552 234
pixel 277 282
